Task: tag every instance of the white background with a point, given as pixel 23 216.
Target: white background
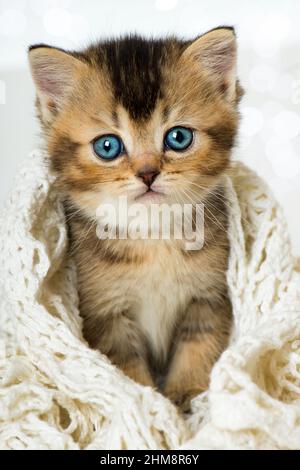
pixel 269 68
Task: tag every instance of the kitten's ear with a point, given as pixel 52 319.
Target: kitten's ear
pixel 54 72
pixel 216 52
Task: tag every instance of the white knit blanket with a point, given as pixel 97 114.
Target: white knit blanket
pixel 56 393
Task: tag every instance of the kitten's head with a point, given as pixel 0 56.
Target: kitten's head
pixel 153 120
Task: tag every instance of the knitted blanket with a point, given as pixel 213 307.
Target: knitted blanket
pixel 57 393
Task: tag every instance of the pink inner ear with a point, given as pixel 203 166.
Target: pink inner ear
pixel 51 77
pixel 220 59
pixel 49 86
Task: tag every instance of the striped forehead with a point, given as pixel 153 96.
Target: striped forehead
pixel 136 69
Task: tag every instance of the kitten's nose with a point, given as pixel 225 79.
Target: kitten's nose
pixel 148 175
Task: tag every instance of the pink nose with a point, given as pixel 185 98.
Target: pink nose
pixel 148 175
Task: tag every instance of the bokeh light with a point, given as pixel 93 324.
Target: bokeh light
pixel 282 157
pixel 270 109
pixel 12 23
pixel 57 22
pixel 282 87
pixel 286 124
pixel 262 77
pixel 270 33
pixel 252 121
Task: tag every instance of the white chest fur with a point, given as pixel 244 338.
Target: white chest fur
pixel 163 291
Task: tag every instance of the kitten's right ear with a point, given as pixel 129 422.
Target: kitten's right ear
pixel 54 72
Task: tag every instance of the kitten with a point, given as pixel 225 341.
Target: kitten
pixel 154 120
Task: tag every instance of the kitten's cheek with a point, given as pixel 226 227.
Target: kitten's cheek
pixel 87 202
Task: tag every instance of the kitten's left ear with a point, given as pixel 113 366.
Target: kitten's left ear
pixel 216 52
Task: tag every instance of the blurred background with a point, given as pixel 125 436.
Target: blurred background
pixel 269 69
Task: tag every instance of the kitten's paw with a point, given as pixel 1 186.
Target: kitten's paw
pixel 181 397
pixel 138 372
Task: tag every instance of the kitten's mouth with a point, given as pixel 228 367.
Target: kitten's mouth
pixel 152 196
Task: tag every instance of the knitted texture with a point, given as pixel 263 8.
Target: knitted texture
pixel 57 393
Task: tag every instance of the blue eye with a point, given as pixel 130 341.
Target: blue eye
pixel 108 147
pixel 178 138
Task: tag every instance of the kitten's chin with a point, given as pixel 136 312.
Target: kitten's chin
pixel 151 197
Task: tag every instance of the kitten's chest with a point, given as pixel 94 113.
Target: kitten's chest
pixel 164 291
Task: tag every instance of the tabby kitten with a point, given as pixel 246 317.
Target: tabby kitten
pixel 154 120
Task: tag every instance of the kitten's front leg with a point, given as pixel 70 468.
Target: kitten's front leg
pixel 118 337
pixel 201 338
